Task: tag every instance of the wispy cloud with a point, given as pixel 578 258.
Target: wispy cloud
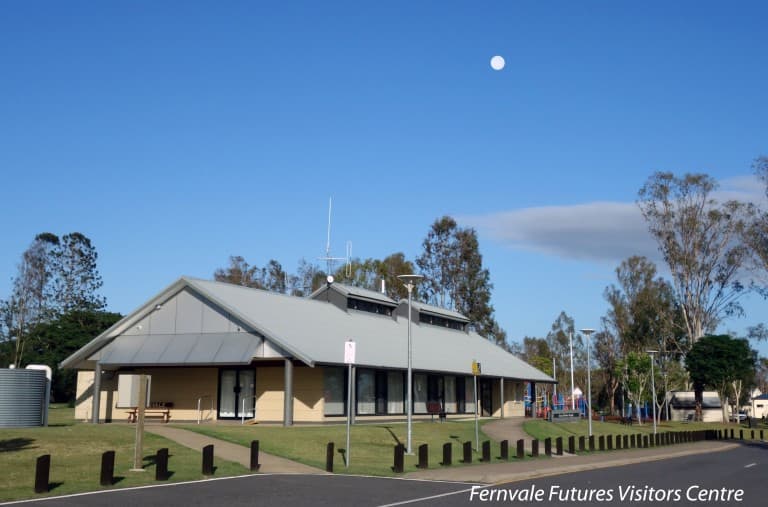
pixel 597 231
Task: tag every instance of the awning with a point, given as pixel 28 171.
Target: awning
pixel 179 349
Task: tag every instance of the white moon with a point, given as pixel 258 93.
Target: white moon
pixel 497 63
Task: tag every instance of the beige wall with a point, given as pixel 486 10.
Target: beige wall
pixel 180 386
pixel 308 402
pixel 514 402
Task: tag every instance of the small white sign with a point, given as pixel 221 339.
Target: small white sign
pixel 349 352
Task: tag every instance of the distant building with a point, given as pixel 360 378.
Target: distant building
pixel 759 406
pixel 218 351
pixel 682 403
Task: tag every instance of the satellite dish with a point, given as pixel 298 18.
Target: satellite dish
pixel 329 279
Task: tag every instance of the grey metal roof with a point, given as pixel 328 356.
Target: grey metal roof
pixel 180 349
pixel 318 330
pixel 309 330
pixel 358 292
pixel 436 310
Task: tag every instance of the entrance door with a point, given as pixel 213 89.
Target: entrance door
pixel 236 393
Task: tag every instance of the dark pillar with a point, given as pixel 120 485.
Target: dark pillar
pixel 208 460
pixel 161 464
pixel 625 442
pixel 255 465
pixel 467 448
pixel 423 456
pixel 399 463
pixel 520 449
pixel 534 447
pixel 601 442
pixel 288 394
pixel 548 446
pixel 571 445
pixel 609 442
pixel 107 476
pixel 582 443
pixel 559 446
pixel 591 443
pixel 447 454
pixel 42 473
pixel 504 450
pixel 329 453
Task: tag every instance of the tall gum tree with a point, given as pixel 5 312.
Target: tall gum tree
pixel 699 239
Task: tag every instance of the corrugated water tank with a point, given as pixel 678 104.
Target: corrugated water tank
pixel 22 398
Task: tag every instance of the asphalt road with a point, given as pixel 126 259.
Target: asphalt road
pixel 734 477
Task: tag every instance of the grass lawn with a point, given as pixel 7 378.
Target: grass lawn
pixel 371 444
pixel 76 449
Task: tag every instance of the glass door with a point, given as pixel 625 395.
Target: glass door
pixel 236 393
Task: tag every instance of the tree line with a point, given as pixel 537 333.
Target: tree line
pixel 716 252
pixel 54 307
pixel 451 262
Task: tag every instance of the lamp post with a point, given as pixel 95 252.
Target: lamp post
pixel 570 342
pixel 587 331
pixel 653 386
pixel 410 282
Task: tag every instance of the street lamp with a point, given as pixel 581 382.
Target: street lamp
pixel 410 282
pixel 570 342
pixel 587 331
pixel 653 386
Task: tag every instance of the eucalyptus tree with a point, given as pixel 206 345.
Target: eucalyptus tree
pixel 699 239
pixel 455 277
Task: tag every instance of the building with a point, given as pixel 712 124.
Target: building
pixel 683 403
pixel 220 351
pixel 759 406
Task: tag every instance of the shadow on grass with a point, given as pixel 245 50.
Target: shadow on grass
pixel 389 429
pixel 16 444
pixel 54 485
pixel 343 453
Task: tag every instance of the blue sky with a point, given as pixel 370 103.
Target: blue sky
pixel 175 134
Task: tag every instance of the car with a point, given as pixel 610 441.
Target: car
pixel 741 416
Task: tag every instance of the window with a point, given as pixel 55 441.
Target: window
pixel 369 306
pixel 333 391
pixel 366 392
pixel 419 393
pixel 450 395
pixel 469 395
pixel 395 393
pixel 436 320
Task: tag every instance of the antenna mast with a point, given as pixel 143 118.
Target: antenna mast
pixel 330 260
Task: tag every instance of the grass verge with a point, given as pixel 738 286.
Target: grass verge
pixel 372 445
pixel 76 451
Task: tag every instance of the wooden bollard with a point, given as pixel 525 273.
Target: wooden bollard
pixel 535 447
pixel 591 443
pixel 582 444
pixel 761 434
pixel 161 464
pixel 423 456
pixel 208 460
pixel 467 448
pixel 447 454
pixel 504 450
pixel 571 445
pixel 399 461
pixel 559 446
pixel 741 434
pixel 42 473
pixel 255 465
pixel 618 442
pixel 329 453
pixel 625 442
pixel 520 449
pixel 486 447
pixel 645 441
pixel 107 476
pixel 548 446
pixel 609 442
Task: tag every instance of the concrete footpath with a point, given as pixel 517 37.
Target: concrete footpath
pixel 232 452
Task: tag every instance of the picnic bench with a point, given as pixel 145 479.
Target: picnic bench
pixel 434 408
pixel 160 409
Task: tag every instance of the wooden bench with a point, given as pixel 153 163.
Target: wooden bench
pixel 688 418
pixel 434 408
pixel 155 409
